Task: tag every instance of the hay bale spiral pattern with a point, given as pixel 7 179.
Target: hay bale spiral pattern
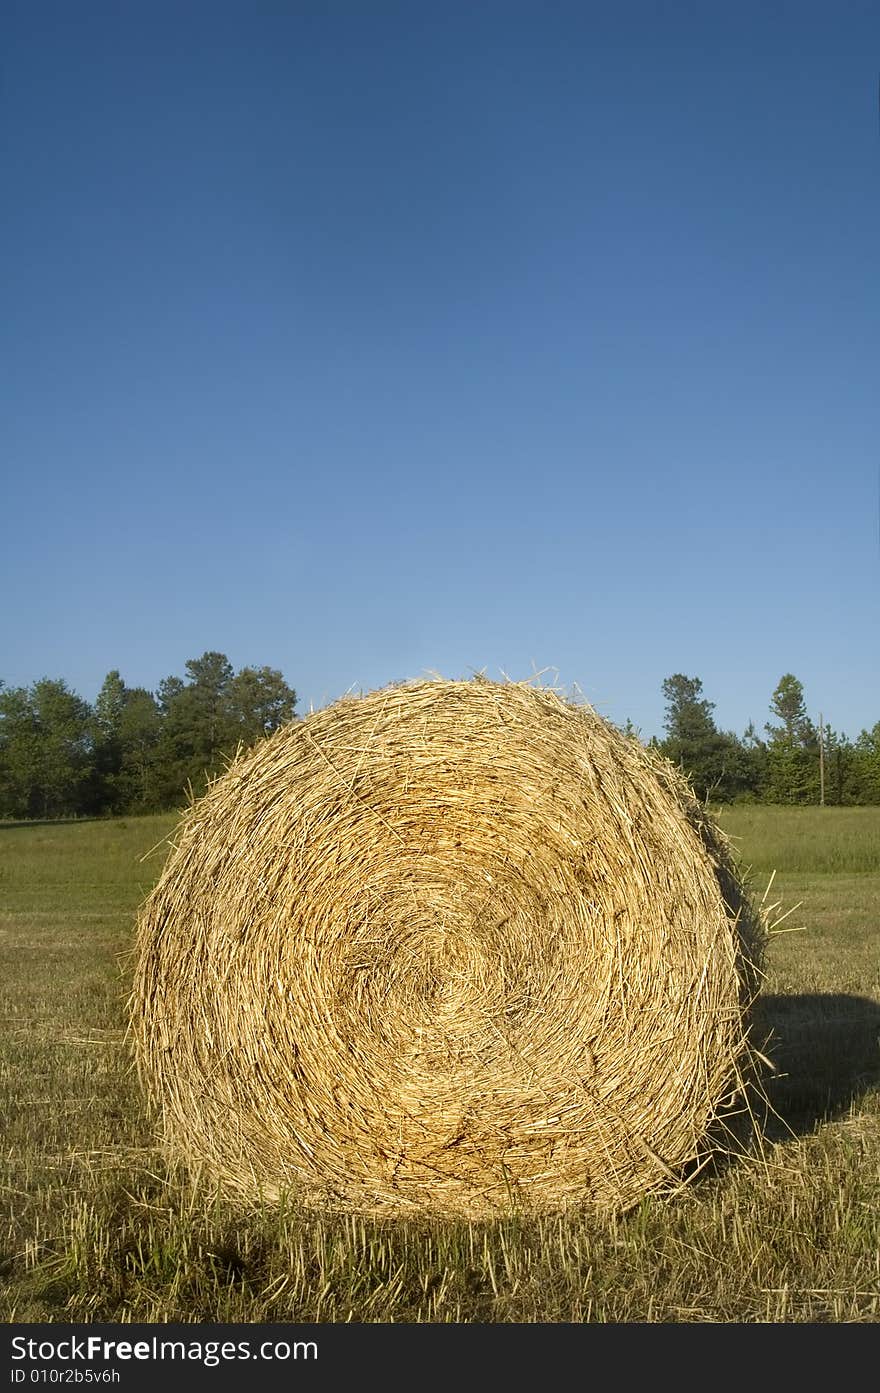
pixel 454 947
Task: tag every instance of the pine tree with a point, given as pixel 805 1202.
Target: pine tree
pixel 793 749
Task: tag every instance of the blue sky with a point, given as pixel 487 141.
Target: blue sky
pixel 364 339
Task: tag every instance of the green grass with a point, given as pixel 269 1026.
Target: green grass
pixel 94 1226
pixel 812 840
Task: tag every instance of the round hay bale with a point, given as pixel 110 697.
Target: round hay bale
pixel 458 947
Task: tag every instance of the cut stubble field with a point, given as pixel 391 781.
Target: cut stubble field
pixel 95 1226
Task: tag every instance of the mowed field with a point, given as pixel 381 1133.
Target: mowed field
pixel 93 1225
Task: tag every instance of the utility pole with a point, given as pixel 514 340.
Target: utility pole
pixel 821 763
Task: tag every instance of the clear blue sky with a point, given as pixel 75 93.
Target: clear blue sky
pixel 360 339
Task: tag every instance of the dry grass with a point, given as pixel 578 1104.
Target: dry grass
pixel 456 947
pixel 93 1226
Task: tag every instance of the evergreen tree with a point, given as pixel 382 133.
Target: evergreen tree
pixel 259 702
pixel 793 749
pixel 140 724
pixel 865 774
pixel 169 690
pixel 109 705
pixel 755 763
pixel 790 709
pixel 207 694
pixel 206 718
pixel 195 731
pixel 709 758
pixel 841 769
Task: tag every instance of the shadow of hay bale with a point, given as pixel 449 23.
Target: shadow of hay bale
pixel 826 1050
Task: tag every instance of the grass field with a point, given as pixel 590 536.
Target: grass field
pixel 95 1227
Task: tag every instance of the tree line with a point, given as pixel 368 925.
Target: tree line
pixel 792 761
pixel 136 751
